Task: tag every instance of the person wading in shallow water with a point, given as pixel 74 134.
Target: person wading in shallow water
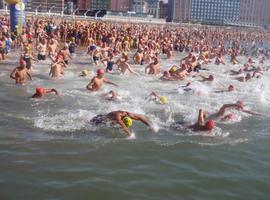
pixel 97 82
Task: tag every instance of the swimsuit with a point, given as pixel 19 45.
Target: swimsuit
pixel 109 66
pixel 99 119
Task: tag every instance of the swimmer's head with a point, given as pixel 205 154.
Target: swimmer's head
pixel 128 121
pixel 166 73
pixel 240 102
pixel 183 66
pixel 163 99
pixel 231 88
pixel 248 75
pixel 173 69
pixel 211 77
pixel 100 72
pixel 210 125
pixel 39 91
pixel 85 72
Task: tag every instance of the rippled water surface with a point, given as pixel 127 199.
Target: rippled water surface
pixel 48 150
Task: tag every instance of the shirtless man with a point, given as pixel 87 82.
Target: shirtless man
pixel 182 72
pixel 138 57
pixel 57 68
pixel 123 66
pixel 153 68
pixel 52 47
pixel 42 48
pixel 97 82
pixel 19 74
pixel 122 118
pixel 41 92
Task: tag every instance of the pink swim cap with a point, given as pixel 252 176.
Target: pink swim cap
pixel 100 72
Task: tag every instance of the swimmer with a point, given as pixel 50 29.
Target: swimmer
pixel 167 77
pixel 97 82
pixel 201 125
pixel 122 118
pixel 160 99
pixel 244 78
pixel 20 74
pixel 209 78
pixel 231 88
pixel 41 92
pixel 239 105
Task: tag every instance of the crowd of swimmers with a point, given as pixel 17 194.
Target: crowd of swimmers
pixel 117 46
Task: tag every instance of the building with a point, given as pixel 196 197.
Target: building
pixel 140 6
pixel 120 5
pixel 158 8
pixel 255 12
pixel 46 5
pixel 215 12
pixel 163 13
pixel 93 4
pixel 179 10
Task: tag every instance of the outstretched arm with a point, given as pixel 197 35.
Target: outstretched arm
pixel 251 112
pixel 109 82
pixel 52 90
pixel 140 118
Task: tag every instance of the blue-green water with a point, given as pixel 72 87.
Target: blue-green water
pixel 49 151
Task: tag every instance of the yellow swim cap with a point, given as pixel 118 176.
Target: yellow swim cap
pixel 128 121
pixel 85 72
pixel 163 99
pixel 173 69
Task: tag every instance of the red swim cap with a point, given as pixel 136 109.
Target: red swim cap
pixel 40 90
pixel 100 72
pixel 210 125
pixel 22 62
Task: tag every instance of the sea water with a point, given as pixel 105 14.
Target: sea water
pixel 49 150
